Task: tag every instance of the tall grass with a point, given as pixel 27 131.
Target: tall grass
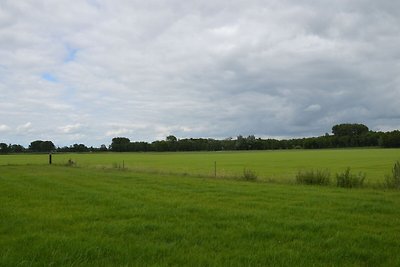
pixel 313 177
pixel 350 180
pixel 249 175
pixel 393 180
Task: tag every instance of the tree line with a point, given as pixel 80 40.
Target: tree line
pixel 343 136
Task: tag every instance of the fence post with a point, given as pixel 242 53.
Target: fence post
pixel 50 158
pixel 215 169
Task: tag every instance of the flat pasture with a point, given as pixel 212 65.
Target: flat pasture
pixel 278 166
pixel 82 216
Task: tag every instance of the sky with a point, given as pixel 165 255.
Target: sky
pixel 87 71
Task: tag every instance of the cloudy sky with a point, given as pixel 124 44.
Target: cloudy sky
pixel 87 71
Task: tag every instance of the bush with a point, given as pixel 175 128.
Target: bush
pixel 393 181
pixel 350 180
pixel 249 175
pixel 316 177
pixel 70 163
pixel 115 165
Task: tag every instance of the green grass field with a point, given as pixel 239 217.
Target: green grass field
pixel 97 215
pixel 281 165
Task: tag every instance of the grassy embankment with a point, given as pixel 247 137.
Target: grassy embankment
pixel 55 215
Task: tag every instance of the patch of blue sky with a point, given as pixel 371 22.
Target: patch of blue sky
pixel 49 77
pixel 71 54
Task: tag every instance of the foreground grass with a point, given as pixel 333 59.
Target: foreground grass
pixel 52 215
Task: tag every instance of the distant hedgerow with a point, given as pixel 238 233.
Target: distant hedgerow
pixel 393 181
pixel 350 180
pixel 313 177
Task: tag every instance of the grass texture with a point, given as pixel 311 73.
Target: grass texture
pixel 74 216
pixel 281 165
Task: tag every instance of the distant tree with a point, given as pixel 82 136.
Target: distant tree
pixel 41 146
pixel 4 148
pixel 391 139
pixel 240 143
pixel 251 142
pixel 311 143
pixel 139 146
pixel 63 149
pixel 186 145
pixel 120 144
pixel 370 139
pixel 214 145
pixel 36 146
pixel 348 129
pixel 17 148
pixel 79 148
pixel 172 142
pixel 171 138
pixel 247 143
pixel 227 144
pixel 159 146
pixel 47 146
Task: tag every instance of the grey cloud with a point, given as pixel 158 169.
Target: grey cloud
pixel 147 69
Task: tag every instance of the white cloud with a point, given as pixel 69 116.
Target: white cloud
pixel 118 132
pixel 4 128
pixel 24 128
pixel 97 69
pixel 71 128
pixel 313 108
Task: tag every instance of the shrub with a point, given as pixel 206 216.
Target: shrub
pixel 115 165
pixel 314 177
pixel 393 181
pixel 350 180
pixel 249 175
pixel 71 163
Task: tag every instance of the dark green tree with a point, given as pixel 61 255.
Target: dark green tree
pixel 79 148
pixel 47 146
pixel 391 139
pixel 349 129
pixel 172 142
pixel 36 146
pixel 41 146
pixel 159 146
pixel 120 144
pixel 16 148
pixel 171 138
pixel 241 143
pixel 4 148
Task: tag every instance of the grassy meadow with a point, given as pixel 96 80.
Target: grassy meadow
pixel 95 214
pixel 280 165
